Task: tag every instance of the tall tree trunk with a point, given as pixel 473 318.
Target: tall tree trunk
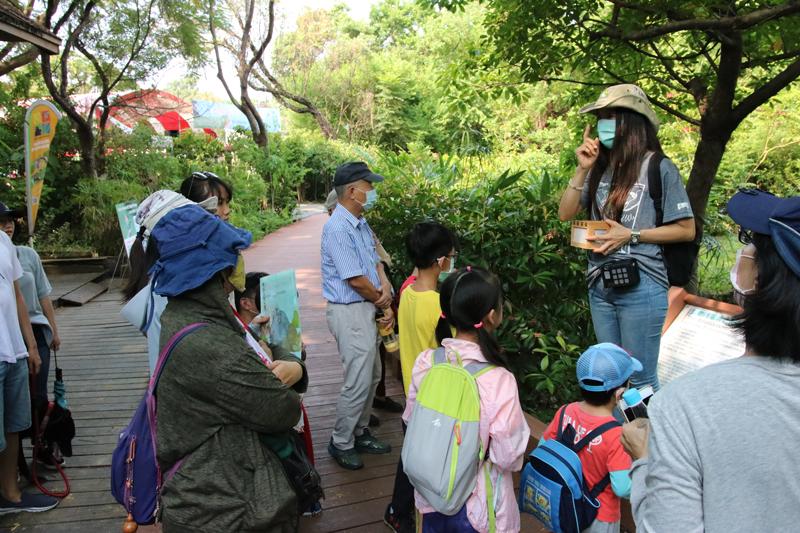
pixel 714 137
pixel 716 127
pixel 87 142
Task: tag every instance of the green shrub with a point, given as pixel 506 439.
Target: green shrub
pixel 509 225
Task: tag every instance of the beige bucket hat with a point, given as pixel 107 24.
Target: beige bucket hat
pixel 626 95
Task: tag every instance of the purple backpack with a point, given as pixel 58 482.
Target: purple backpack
pixel 136 479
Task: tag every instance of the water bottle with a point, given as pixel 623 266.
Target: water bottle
pixel 388 335
pixel 636 406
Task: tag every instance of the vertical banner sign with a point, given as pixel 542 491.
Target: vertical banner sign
pixel 126 213
pixel 40 127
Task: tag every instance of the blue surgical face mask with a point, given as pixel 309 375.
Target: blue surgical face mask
pixel 606 128
pixel 372 199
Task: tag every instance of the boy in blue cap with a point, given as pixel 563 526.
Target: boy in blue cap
pixel 603 373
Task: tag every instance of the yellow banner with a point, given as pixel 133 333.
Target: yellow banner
pixel 40 127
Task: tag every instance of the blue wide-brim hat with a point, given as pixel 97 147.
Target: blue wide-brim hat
pixel 194 245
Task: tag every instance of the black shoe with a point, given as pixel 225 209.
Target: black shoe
pixel 374 420
pixel 348 459
pixel 387 404
pixel 29 503
pixel 366 443
pixel 399 523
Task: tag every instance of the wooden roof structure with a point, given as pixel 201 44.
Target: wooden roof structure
pixel 15 27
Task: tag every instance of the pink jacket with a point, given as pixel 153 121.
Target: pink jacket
pixel 502 419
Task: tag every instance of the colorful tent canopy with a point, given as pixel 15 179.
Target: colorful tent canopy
pixel 219 116
pixel 171 120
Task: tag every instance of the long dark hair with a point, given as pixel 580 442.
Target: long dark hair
pixel 141 261
pixel 633 138
pixel 467 296
pixel 197 190
pixel 770 322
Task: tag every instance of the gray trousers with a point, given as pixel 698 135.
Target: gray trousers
pixel 603 527
pixel 356 333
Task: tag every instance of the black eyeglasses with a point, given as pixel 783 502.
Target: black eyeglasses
pixel 745 236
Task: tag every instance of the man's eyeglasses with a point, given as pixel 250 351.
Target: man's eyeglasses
pixel 745 236
pixel 453 258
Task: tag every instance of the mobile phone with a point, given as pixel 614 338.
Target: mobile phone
pixel 632 413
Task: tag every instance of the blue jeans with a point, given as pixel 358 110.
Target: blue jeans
pixel 632 318
pixel 439 523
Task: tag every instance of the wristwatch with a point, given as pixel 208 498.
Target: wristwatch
pixel 635 235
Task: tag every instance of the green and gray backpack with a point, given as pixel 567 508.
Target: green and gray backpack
pixel 442 450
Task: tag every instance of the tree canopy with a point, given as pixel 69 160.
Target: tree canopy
pixel 710 64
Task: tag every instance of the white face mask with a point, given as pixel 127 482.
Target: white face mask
pixel 739 292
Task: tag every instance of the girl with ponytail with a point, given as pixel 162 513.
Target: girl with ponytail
pixel 472 308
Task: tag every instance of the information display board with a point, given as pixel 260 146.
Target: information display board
pixel 697 333
pixel 126 214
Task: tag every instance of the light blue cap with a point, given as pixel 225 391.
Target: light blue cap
pixel 608 364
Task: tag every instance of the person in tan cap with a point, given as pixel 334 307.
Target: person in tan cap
pixel 617 181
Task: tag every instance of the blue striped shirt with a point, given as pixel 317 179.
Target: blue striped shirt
pixel 348 251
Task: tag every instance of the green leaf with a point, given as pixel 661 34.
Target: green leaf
pixel 561 342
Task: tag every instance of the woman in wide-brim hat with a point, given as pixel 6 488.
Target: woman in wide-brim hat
pixel 217 398
pixel 611 184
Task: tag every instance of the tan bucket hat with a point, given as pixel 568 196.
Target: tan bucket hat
pixel 626 95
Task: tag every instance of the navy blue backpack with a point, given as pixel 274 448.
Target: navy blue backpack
pixel 136 479
pixel 553 488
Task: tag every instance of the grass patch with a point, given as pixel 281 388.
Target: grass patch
pixel 715 262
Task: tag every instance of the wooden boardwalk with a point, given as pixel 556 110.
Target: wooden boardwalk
pixel 105 370
pixel 357 499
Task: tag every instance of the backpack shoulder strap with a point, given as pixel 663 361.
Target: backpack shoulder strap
pixel 478 369
pixel 167 350
pixel 598 489
pixel 439 356
pixel 654 185
pixel 599 430
pixel 561 423
pixel 593 434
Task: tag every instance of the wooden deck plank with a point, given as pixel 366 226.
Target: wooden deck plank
pixel 355 498
pixel 105 373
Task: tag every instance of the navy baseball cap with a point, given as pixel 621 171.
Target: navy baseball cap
pixel 354 171
pixel 608 364
pixel 767 214
pixel 12 213
pixel 194 246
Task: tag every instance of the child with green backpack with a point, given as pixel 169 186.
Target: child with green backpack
pixel 463 411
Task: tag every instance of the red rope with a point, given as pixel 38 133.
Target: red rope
pixel 36 446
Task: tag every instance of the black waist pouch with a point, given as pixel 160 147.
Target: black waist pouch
pixel 302 476
pixel 620 274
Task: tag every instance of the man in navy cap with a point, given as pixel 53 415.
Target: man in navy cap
pixel 351 284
